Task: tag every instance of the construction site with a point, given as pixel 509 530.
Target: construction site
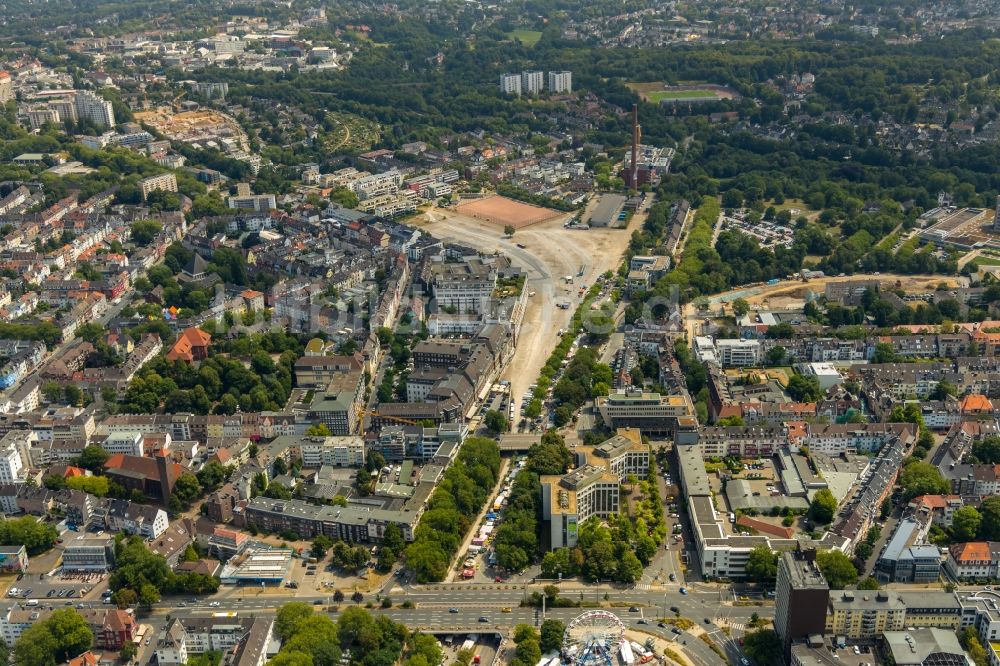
pixel 961 228
pixel 204 127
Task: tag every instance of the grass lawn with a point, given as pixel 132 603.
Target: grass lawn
pixel 527 37
pixel 658 95
pixel 800 207
pixel 986 260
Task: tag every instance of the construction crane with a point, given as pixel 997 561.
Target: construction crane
pixel 363 412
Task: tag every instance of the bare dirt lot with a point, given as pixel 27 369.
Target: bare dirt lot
pixel 503 211
pixel 550 253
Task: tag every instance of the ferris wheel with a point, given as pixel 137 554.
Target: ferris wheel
pixel 593 638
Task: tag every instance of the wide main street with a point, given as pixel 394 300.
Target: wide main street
pixel 456 608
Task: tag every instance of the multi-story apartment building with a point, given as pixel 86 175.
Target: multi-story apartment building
pixel 569 500
pixel 318 371
pixel 561 82
pixel 15 621
pixel 738 353
pixel 15 456
pixel 379 184
pixel 164 182
pixel 65 107
pixel 246 639
pixel 144 520
pixel 837 438
pixel 931 608
pixel 94 108
pixel 258 202
pixel 975 560
pixel 510 84
pixel 41 115
pixel 354 522
pixel 864 613
pixel 346 451
pixel 742 441
pixel 532 82
pixel 859 614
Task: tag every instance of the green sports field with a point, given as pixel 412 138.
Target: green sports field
pixel 658 95
pixel 527 37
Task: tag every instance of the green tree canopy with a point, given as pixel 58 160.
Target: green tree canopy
pixel 838 569
pixel 763 646
pixel 990 526
pixel 762 565
pixel 823 507
pixel 965 523
pixel 920 478
pixel 64 634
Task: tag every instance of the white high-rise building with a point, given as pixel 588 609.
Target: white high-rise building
pixel 66 109
pixel 532 83
pixel 560 82
pixel 11 465
pixel 94 108
pixel 510 84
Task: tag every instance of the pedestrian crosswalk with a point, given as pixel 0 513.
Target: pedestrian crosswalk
pixel 643 586
pixel 738 626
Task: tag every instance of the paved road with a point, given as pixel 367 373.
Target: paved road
pixel 433 606
pixel 701 601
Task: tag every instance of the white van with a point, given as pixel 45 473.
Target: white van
pixel 31 602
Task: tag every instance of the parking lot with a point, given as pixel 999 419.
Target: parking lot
pixel 57 588
pixel 769 234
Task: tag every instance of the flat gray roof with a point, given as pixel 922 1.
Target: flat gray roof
pixel 607 210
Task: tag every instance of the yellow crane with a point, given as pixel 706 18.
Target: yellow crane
pixel 363 412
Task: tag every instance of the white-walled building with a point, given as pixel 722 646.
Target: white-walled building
pixel 824 372
pixel 532 82
pixel 510 84
pixel 128 443
pixel 561 82
pixel 94 108
pixel 344 451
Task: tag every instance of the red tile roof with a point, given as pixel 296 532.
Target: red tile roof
pixel 88 658
pixel 974 551
pixel 183 349
pixel 976 402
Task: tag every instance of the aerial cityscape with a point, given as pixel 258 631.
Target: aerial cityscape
pixel 520 334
